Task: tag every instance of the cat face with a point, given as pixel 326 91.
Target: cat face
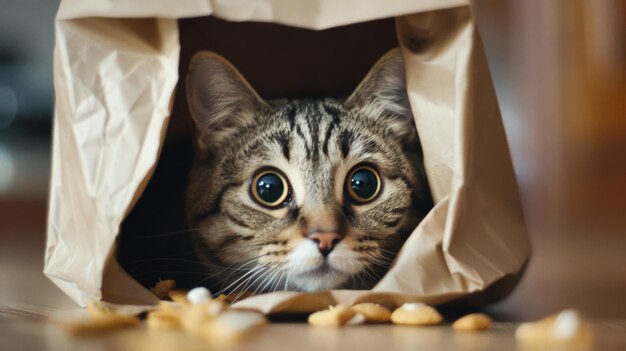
pixel 303 194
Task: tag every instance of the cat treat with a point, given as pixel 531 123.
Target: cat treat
pixel 566 327
pixel 195 316
pixel 198 295
pixel 209 318
pixel 373 313
pixel 179 296
pixel 472 322
pixel 408 314
pixel 163 287
pixel 417 314
pixel 234 324
pixel 357 319
pixel 101 319
pixel 334 316
pixel 165 317
pixel 194 313
pixel 205 317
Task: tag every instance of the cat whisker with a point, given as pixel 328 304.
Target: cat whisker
pixel 169 272
pixel 371 273
pixel 174 259
pixel 245 284
pixel 129 236
pixel 278 280
pixel 282 274
pixel 378 260
pixel 353 281
pixel 231 267
pixel 252 272
pixel 201 281
pixel 240 267
pixel 376 273
pixel 366 271
pixel 387 251
pixel 287 281
pixel 374 253
pixel 270 272
pixel 242 290
pixel 260 278
pixel 249 282
pixel 270 279
pixel 298 286
pixel 355 274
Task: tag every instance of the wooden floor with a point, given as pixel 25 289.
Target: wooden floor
pixel 579 273
pixel 41 336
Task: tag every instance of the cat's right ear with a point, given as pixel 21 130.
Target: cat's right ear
pixel 220 100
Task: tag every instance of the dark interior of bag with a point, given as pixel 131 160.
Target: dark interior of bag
pixel 279 62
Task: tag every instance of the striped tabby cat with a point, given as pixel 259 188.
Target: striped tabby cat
pixel 302 194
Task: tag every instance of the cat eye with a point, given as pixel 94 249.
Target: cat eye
pixel 363 184
pixel 269 188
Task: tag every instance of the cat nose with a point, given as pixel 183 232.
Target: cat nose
pixel 326 241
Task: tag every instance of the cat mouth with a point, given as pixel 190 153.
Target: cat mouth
pixel 322 270
pixel 322 277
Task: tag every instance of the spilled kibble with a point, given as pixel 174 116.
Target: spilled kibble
pixel 472 322
pixel 198 295
pixel 197 313
pixel 357 319
pixel 193 312
pixel 233 324
pixel 195 316
pixel 101 320
pixel 334 316
pixel 417 314
pixel 178 296
pixel 373 313
pixel 567 326
pixel 165 317
pixel 163 287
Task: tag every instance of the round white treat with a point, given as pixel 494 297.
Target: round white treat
pixel 215 308
pixel 412 306
pixel 358 318
pixel 237 321
pixel 566 325
pixel 198 295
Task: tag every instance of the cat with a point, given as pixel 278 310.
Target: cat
pixel 305 194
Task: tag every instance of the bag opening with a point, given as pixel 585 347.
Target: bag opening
pixel 279 62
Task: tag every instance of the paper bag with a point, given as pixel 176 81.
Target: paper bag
pixel 114 79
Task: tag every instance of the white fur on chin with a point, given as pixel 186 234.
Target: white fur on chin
pixel 305 262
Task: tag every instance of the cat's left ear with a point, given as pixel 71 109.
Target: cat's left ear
pixel 382 94
pixel 220 99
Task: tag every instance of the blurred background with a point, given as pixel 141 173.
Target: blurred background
pixel 559 68
pixel 26 98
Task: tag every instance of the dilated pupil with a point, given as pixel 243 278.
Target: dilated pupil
pixel 364 183
pixel 270 188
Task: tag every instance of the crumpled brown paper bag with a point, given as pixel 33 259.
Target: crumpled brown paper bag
pixel 114 79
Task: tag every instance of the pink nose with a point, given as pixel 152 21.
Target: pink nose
pixel 325 241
